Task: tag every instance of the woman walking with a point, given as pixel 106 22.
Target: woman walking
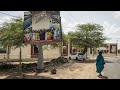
pixel 99 63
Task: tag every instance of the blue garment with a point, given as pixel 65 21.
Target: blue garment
pixel 99 63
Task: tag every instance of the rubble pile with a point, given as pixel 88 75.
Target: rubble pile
pixel 6 67
pixel 25 68
pixel 32 67
pixel 58 61
pixel 50 66
pixel 29 67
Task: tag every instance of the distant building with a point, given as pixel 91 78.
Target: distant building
pixel 107 48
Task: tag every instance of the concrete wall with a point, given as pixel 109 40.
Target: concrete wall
pixel 26 52
pixel 51 53
pixel 3 55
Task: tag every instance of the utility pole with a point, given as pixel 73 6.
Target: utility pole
pixel 117 48
pixel 68 47
pixel 86 44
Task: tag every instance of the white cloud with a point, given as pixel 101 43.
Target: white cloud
pixel 4 18
pixel 69 26
pixel 116 14
pixel 18 13
pixel 111 31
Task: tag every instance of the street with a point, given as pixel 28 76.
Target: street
pixel 112 68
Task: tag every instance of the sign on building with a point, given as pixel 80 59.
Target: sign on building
pixel 42 26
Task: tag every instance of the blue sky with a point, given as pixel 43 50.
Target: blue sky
pixel 109 19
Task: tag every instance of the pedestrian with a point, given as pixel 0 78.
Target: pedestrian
pixel 99 63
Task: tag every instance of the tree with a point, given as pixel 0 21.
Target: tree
pixel 88 35
pixel 11 34
pixel 5 37
pixel 59 44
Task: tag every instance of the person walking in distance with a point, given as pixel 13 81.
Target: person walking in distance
pixel 99 63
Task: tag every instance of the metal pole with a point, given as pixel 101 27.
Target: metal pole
pixel 117 48
pixel 68 47
pixel 61 38
pixel 93 48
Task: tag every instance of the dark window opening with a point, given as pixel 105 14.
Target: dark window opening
pixel 74 53
pixel 3 50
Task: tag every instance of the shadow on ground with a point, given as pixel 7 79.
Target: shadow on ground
pixel 24 76
pixel 103 77
pixel 14 67
pixel 86 61
pixel 108 62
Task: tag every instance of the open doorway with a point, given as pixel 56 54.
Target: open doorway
pixel 34 51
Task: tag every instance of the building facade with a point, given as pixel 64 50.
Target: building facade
pixel 109 49
pixel 31 51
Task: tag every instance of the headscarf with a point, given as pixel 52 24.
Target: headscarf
pixel 100 52
pixel 100 58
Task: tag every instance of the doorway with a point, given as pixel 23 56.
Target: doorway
pixel 34 51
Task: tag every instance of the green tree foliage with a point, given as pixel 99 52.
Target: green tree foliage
pixel 88 35
pixel 11 34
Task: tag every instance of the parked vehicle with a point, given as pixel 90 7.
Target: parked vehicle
pixel 77 56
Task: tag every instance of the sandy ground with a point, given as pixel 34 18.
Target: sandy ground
pixel 72 70
pixel 75 71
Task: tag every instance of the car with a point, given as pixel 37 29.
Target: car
pixel 77 56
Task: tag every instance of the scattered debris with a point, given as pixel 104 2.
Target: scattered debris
pixel 46 70
pixel 53 71
pixel 58 61
pixel 32 67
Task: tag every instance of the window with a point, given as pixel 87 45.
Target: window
pixel 74 53
pixel 3 50
pixel 74 50
pixel 90 50
pixel 107 46
pixel 80 54
pixel 64 43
